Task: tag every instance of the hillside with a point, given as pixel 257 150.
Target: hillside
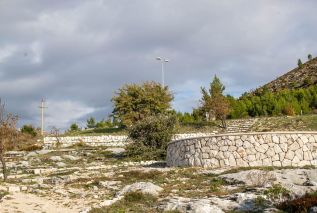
pixel 299 77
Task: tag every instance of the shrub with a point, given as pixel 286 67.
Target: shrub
pixel 150 137
pixel 74 127
pixel 29 129
pixel 302 204
pixel 277 193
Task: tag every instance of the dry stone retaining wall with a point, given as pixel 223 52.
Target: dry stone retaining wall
pixel 245 150
pixel 106 140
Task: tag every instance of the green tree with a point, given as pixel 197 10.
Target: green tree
pixel 310 57
pixel 29 129
pixel 91 122
pixel 299 63
pixel 135 102
pixel 214 103
pixel 150 137
pixel 74 127
pixel 104 124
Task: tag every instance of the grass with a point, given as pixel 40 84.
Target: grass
pixel 186 182
pixel 286 123
pixel 263 124
pixel 98 131
pixel 132 202
pixel 277 193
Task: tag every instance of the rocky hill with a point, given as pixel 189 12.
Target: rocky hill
pixel 300 77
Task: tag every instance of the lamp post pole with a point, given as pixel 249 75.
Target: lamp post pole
pixel 162 60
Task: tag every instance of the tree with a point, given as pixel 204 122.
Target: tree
pixel 299 63
pixel 8 134
pixel 310 57
pixel 135 102
pixel 91 122
pixel 150 137
pixel 29 129
pixel 214 103
pixel 74 127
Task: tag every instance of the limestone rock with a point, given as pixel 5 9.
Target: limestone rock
pixel 144 187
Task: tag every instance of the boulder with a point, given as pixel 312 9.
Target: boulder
pixel 191 205
pixel 144 187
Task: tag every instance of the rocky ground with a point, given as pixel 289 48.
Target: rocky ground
pixel 95 180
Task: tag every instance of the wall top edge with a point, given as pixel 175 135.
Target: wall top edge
pixel 248 133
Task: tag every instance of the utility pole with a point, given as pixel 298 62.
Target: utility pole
pixel 162 60
pixel 42 107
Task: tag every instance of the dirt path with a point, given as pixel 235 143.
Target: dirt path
pixel 21 202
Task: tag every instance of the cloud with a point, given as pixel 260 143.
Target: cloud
pixel 77 53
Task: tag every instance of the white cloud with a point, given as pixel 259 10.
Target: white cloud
pixel 6 52
pixel 62 113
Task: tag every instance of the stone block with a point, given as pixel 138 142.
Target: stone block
pixel 286 162
pixel 294 146
pixel 267 162
pixel 277 163
pixel 13 189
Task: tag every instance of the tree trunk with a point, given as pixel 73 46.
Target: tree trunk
pixel 224 124
pixel 4 167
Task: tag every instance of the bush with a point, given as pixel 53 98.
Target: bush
pixel 302 204
pixel 29 129
pixel 150 137
pixel 277 193
pixel 74 128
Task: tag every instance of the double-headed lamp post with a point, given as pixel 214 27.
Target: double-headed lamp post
pixel 162 60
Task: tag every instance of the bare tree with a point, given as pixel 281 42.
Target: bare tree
pixel 8 135
pixel 55 132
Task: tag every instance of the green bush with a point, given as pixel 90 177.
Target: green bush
pixel 74 127
pixel 29 129
pixel 277 193
pixel 150 137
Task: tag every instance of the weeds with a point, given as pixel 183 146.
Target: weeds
pixel 277 193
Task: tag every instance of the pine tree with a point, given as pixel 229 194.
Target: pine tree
pixel 299 63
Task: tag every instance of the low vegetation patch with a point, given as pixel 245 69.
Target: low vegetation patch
pixel 132 202
pixel 277 193
pixel 301 205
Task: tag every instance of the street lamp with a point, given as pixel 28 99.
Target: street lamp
pixel 162 60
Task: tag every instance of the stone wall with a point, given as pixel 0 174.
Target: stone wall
pixel 106 140
pixel 244 150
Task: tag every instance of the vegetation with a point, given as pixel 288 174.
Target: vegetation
pixel 29 129
pixel 91 122
pixel 302 204
pixel 310 57
pixel 74 127
pixel 285 102
pixel 150 137
pixel 8 134
pixel 133 102
pixel 277 193
pixel 299 63
pixel 132 202
pixel 213 103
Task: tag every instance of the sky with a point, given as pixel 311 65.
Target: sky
pixel 77 53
